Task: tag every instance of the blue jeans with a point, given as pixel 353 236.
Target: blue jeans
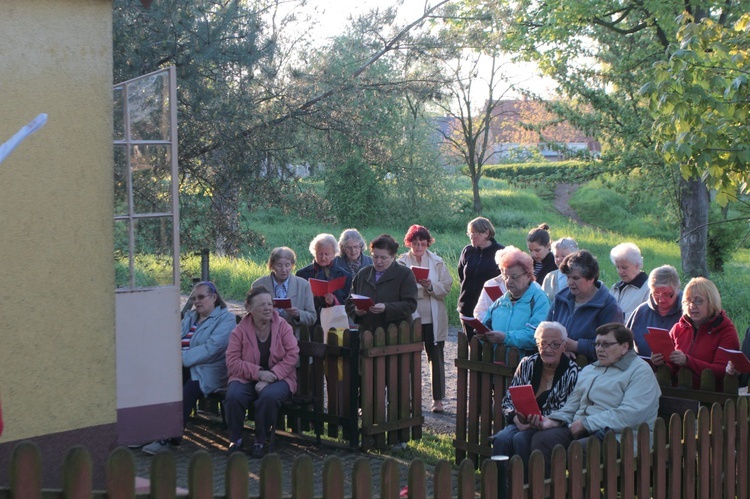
pixel 511 441
pixel 267 403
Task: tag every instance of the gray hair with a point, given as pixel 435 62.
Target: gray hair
pixel 550 325
pixel 322 239
pixel 351 235
pixel 627 251
pixel 666 275
pixel 567 243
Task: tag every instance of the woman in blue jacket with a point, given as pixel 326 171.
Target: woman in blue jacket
pixel 514 317
pixel 584 305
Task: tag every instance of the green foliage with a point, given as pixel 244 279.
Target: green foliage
pixel 355 193
pixel 724 239
pixel 533 170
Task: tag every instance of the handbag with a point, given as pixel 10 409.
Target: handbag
pixel 334 317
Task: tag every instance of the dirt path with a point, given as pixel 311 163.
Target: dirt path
pixel 562 201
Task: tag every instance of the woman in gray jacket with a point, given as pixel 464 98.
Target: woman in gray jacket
pixel 205 336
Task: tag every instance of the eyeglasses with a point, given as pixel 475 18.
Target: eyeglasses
pixel 543 344
pixel 663 296
pixel 470 233
pixel 605 344
pixel 200 297
pixel 508 277
pixel 695 301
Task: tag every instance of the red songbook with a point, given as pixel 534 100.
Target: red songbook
pixel 420 272
pixel 524 400
pixel 739 360
pixel 321 288
pixel 494 292
pixel 659 341
pixel 476 324
pixel 282 303
pixel 362 302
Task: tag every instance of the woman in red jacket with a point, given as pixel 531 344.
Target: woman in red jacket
pixel 702 329
pixel 261 363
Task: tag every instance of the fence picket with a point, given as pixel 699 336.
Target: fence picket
pixel 120 474
pixel 536 474
pixel 659 461
pixel 466 487
pixel 416 380
pixel 593 467
pixel 462 378
pixel 610 470
pixel 390 487
pixel 730 449
pixel 488 485
pixel 333 478
pixel 26 471
pixel 163 476
pixel 690 451
pixel 392 383
pixel 201 476
pixel 416 480
pixel 368 391
pixel 674 469
pixel 717 450
pixel 474 394
pixel 379 375
pixel 236 480
pixel 442 481
pixel 627 463
pixel 361 479
pixel 558 481
pixel 743 448
pixel 643 461
pixel 77 474
pixel 575 469
pixel 403 381
pixel 704 453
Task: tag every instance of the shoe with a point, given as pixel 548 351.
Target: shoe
pixel 234 447
pixel 155 447
pixel 437 406
pixel 258 451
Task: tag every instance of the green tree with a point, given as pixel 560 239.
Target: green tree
pixel 600 53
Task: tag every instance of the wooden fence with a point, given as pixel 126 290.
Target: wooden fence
pixel 485 373
pixel 707 456
pixel 391 385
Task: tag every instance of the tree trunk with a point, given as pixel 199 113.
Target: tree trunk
pixel 475 190
pixel 694 203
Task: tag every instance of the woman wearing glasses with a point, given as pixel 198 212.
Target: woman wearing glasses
pixel 351 254
pixel 617 391
pixel 703 328
pixel 551 375
pixel 662 309
pixel 205 336
pixel 513 318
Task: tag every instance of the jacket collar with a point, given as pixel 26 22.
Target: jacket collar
pixel 637 282
pixel 624 362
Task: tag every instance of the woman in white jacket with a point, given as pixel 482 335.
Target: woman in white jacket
pixel 431 293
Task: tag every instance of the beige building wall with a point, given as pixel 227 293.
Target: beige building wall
pixel 57 316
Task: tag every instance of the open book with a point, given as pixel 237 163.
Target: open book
pixel 494 292
pixel 476 324
pixel 739 360
pixel 362 302
pixel 321 288
pixel 420 272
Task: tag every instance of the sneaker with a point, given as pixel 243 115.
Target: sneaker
pixel 258 451
pixel 234 447
pixel 437 406
pixel 155 447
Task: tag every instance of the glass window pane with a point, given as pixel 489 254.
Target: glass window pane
pixel 154 257
pixel 121 186
pixel 122 254
pixel 148 108
pixel 152 179
pixel 119 113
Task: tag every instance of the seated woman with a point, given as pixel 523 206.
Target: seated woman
pixel 261 361
pixel 662 309
pixel 631 290
pixel 617 391
pixel 431 293
pixel 700 332
pixel 538 243
pixel 391 286
pixel 584 305
pixel 323 250
pixel 513 318
pixel 285 285
pixel 351 255
pixel 556 281
pixel 552 375
pixel 205 334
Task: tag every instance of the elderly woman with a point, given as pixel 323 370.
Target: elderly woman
pixel 631 290
pixel 476 265
pixel 538 243
pixel 431 293
pixel 261 361
pixel 323 250
pixel 700 332
pixel 391 286
pixel 662 309
pixel 514 317
pixel 350 256
pixel 584 305
pixel 556 281
pixel 205 334
pixel 551 375
pixel 617 391
pixel 285 285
